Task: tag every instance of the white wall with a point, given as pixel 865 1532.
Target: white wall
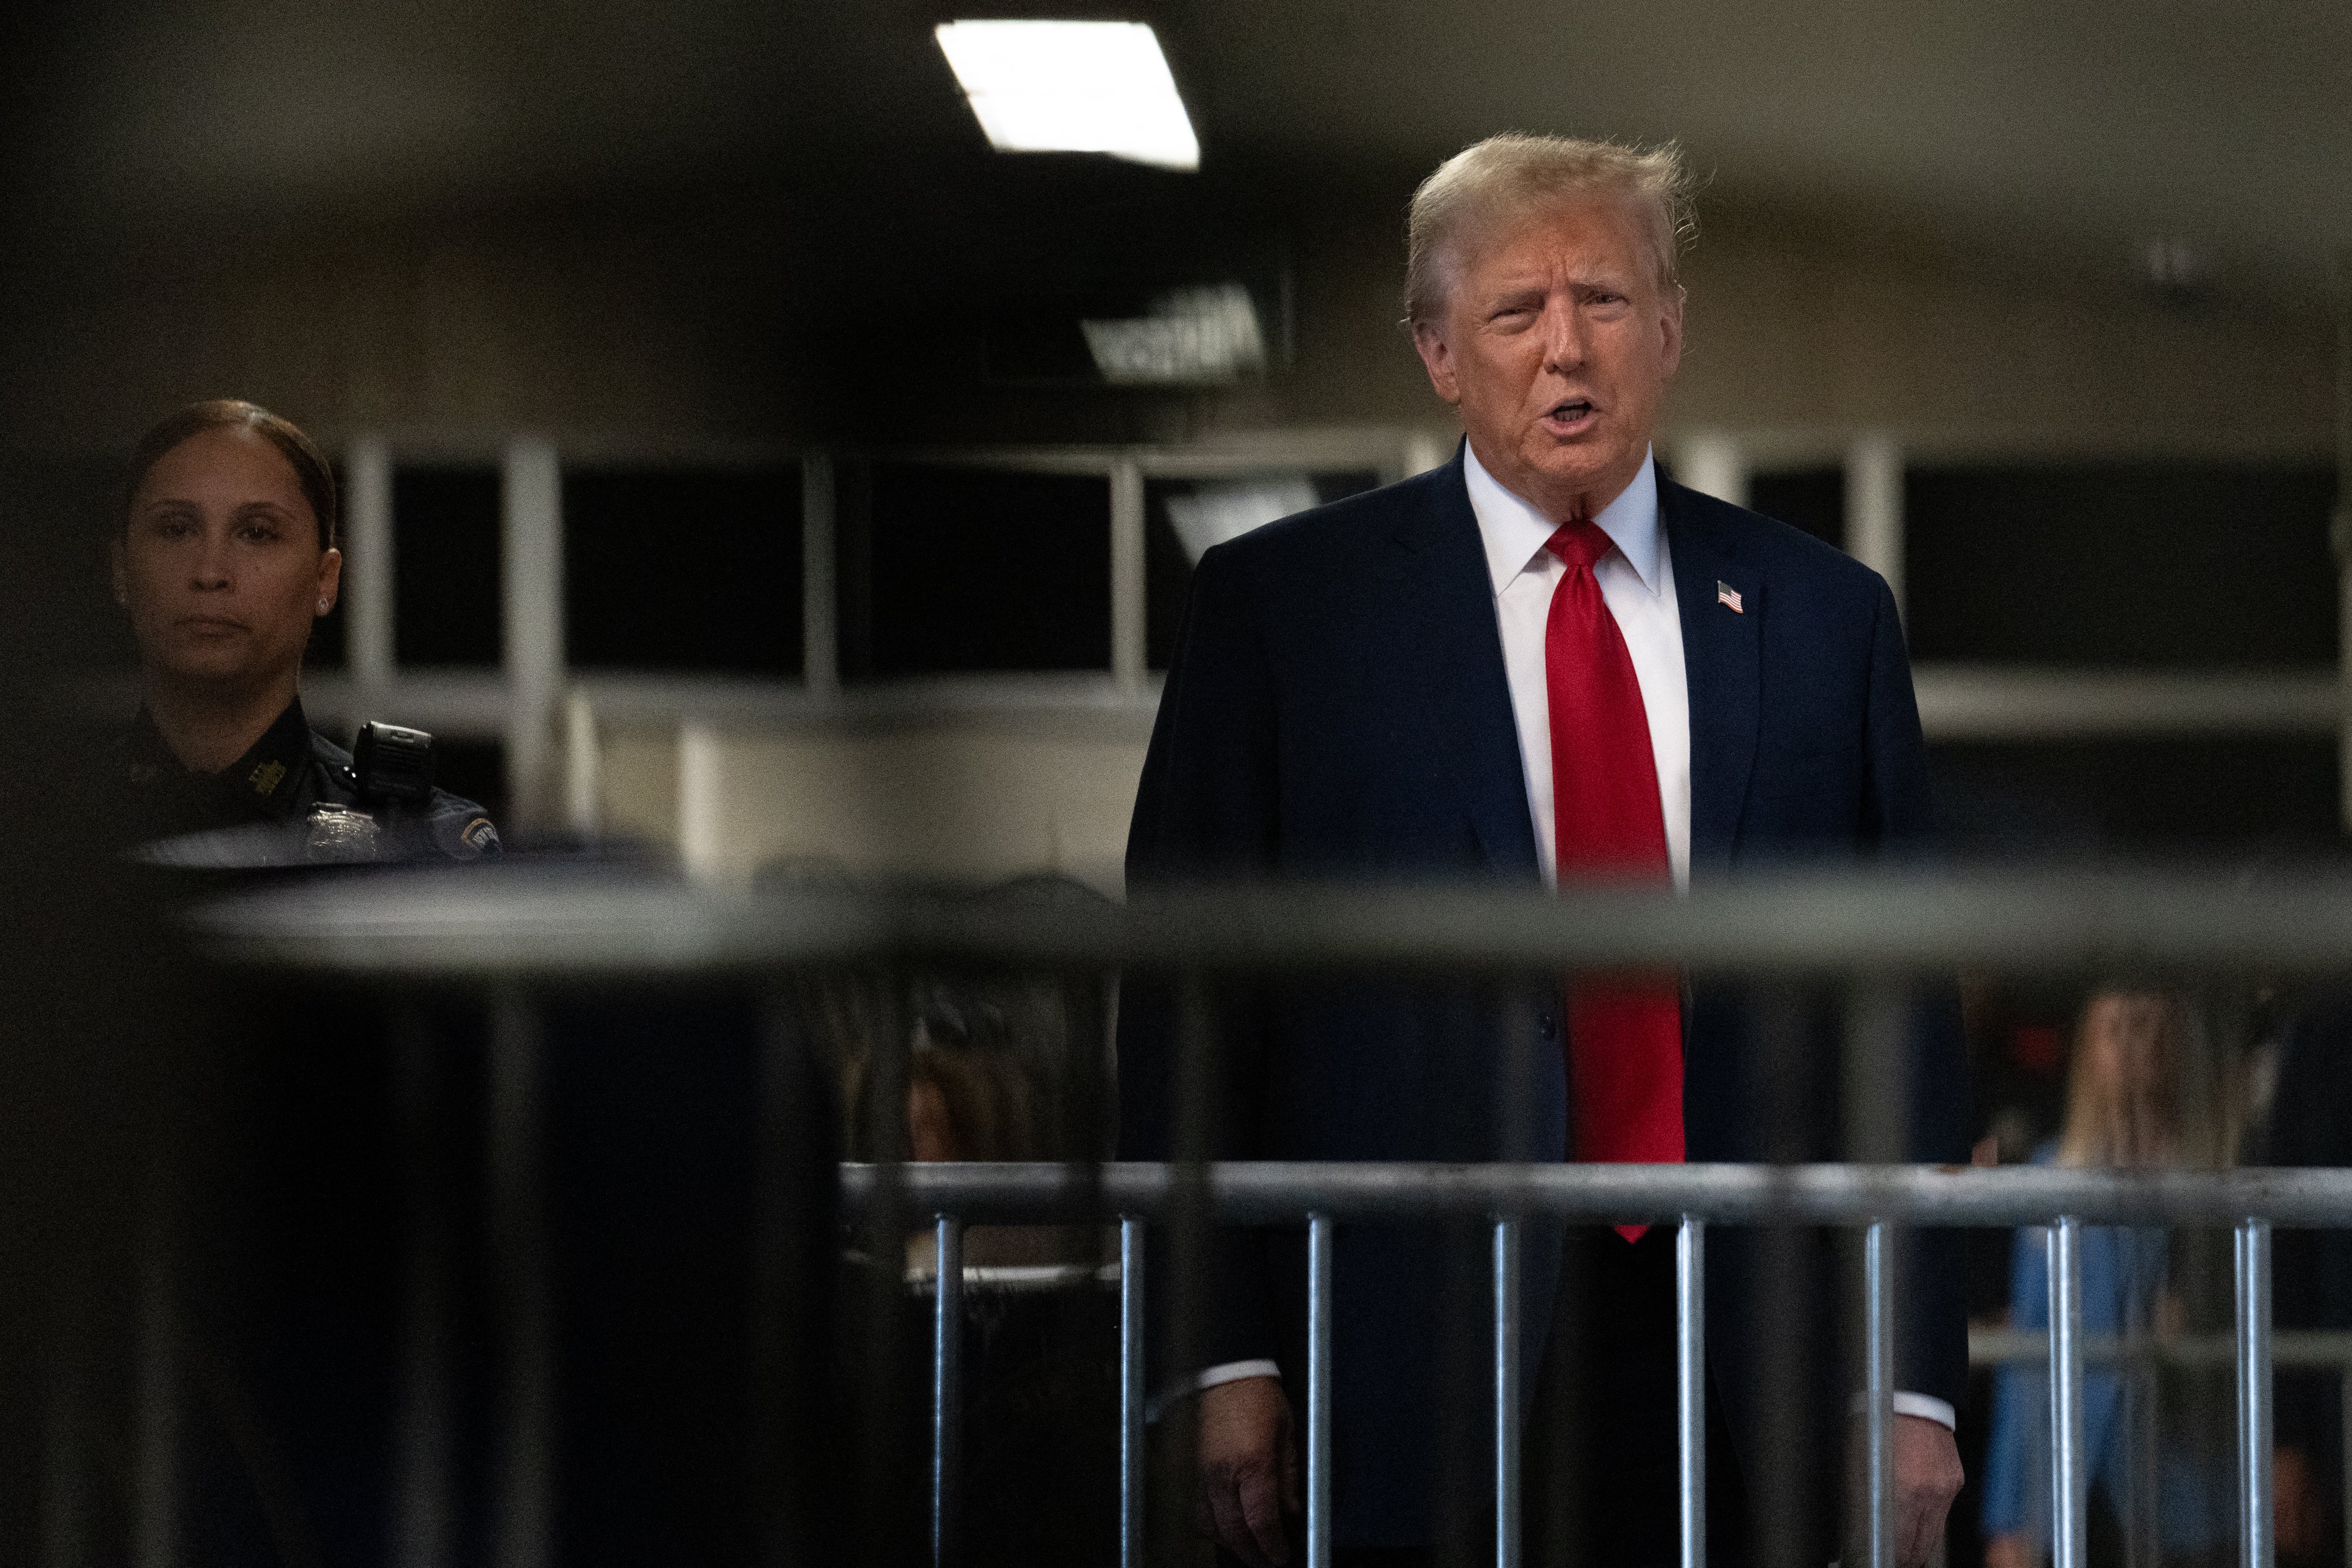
pixel 949 799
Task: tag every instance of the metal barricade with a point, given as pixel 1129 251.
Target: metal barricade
pixel 517 930
pixel 1690 1196
pixel 2323 1351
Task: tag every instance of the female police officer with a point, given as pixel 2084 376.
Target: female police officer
pixel 223 554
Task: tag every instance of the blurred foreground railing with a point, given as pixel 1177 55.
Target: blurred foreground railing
pixel 526 923
pixel 1320 1196
pixel 520 930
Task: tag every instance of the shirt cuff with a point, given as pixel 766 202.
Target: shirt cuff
pixel 1927 1407
pixel 1235 1371
pixel 1224 1372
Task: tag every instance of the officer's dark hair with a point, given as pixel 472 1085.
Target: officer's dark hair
pixel 311 470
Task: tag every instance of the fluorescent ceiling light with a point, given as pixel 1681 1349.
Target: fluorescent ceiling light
pixel 1072 87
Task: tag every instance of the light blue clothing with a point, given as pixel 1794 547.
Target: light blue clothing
pixel 2122 1275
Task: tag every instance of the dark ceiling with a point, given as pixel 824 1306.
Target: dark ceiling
pixel 2095 126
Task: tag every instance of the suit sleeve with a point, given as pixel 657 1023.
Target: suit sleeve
pixel 1932 1344
pixel 1207 809
pixel 1897 816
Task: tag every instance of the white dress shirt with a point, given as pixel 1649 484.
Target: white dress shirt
pixel 1637 584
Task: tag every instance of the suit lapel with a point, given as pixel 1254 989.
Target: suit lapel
pixel 1722 660
pixel 1439 567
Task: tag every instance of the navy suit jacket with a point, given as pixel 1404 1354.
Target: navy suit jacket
pixel 1338 708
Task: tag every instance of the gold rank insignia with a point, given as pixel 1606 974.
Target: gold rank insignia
pixel 265 777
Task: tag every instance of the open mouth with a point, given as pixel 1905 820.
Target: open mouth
pixel 1571 412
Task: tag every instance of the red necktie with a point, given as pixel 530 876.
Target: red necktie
pixel 1625 1036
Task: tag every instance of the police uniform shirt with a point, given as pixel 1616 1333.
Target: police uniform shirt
pixel 290 773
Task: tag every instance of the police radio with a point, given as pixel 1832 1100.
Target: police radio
pixel 393 767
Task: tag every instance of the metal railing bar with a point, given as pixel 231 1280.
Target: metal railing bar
pixel 521 920
pixel 2257 1547
pixel 1878 1016
pixel 1319 1391
pixel 1285 1192
pixel 1690 1386
pixel 2070 1477
pixel 1013 1278
pixel 1130 1394
pixel 2344 1419
pixel 1785 1301
pixel 1190 1216
pixel 424 1480
pixel 2325 1348
pixel 525 1506
pixel 946 1388
pixel 1506 1394
pixel 886 1220
pixel 158 1425
pixel 1878 1350
pixel 796 1487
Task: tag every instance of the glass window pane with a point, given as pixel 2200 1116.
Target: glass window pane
pixel 2018 799
pixel 1184 518
pixel 1812 500
pixel 683 569
pixel 2153 565
pixel 447 606
pixel 965 569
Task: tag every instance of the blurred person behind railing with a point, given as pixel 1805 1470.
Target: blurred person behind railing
pixel 968 1098
pixel 997 1069
pixel 2124 1109
pixel 1000 1065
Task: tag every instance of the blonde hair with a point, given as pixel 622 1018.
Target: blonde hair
pixel 2140 1118
pixel 1510 176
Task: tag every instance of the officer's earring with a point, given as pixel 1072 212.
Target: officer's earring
pixel 323 607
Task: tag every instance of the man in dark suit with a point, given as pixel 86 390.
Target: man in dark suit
pixel 1542 659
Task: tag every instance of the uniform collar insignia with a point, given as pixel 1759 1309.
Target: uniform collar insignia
pixel 277 756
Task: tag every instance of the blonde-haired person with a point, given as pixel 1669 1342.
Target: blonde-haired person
pixel 2125 1108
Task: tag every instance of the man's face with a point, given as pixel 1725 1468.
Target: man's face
pixel 1556 341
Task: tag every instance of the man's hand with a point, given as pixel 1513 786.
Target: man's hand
pixel 1927 1477
pixel 2298 1508
pixel 1249 1470
pixel 2011 1552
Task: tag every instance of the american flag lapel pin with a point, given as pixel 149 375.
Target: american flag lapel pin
pixel 1727 594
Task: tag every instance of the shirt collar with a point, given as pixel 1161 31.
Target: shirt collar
pixel 1514 532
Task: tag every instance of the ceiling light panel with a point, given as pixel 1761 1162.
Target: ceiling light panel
pixel 1072 87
